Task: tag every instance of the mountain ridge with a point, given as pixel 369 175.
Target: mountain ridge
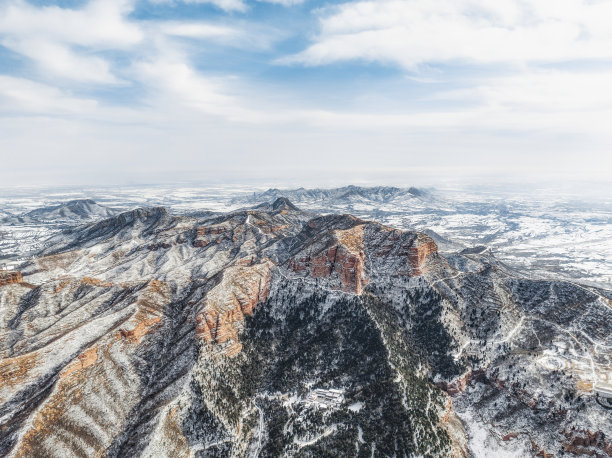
pixel 154 334
pixel 345 194
pixel 73 210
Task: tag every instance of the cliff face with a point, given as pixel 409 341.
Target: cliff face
pixel 226 305
pixel 587 443
pixel 342 262
pixel 419 253
pixel 272 332
pixel 345 256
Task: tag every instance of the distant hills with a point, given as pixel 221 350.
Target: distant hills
pixel 80 210
pixel 344 195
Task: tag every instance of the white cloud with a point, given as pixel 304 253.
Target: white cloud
pixel 182 109
pixel 540 91
pixel 71 43
pixel 412 32
pixel 24 96
pixel 520 35
pixel 232 5
pixel 226 5
pixel 172 81
pixel 66 45
pixel 62 61
pixel 198 30
pixel 100 24
pixel 284 2
pixel 53 37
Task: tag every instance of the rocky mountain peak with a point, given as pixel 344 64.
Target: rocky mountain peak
pixel 143 214
pixel 282 203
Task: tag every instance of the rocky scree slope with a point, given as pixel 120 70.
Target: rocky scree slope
pixel 273 332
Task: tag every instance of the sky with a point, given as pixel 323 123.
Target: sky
pixel 301 91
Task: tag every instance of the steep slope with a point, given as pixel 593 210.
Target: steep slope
pixel 270 332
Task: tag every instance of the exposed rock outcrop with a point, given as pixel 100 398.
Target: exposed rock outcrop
pixel 336 261
pixel 226 305
pixel 8 277
pixel 592 443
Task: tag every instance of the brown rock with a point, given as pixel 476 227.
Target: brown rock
pixel 95 282
pixel 222 317
pixel 344 259
pixel 84 360
pixel 14 370
pixel 540 452
pixel 458 385
pixel 587 443
pixel 8 277
pixel 419 253
pixel 457 434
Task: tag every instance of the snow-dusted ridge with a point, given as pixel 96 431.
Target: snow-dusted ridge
pixel 153 333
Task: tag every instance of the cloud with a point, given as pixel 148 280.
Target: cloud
pixel 517 77
pixel 539 91
pixel 100 23
pixel 240 34
pixel 409 33
pixel 284 2
pixel 171 80
pixel 70 45
pixel 226 5
pixel 198 30
pixel 20 95
pixel 54 38
pixel 62 61
pixel 232 5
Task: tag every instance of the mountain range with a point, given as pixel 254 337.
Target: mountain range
pixel 271 331
pixel 346 194
pixel 72 212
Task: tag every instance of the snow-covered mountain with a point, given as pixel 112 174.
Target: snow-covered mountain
pixel 548 236
pixel 71 212
pixel 335 196
pixel 271 331
pixel 23 233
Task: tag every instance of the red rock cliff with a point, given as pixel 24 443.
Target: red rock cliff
pixel 226 305
pixel 344 260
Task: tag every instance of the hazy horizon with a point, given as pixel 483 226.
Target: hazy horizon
pixel 534 189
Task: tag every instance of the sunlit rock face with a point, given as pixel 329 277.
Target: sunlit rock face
pixel 274 332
